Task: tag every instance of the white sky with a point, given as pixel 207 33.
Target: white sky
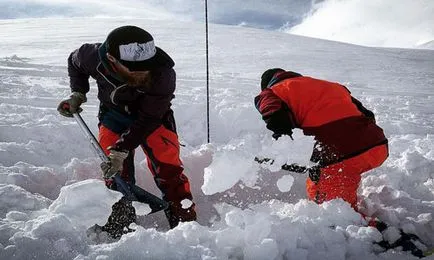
pixel 382 23
pixel 402 23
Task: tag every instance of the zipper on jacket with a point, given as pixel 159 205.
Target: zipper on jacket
pixel 102 74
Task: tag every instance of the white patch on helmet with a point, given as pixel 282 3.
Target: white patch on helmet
pixel 137 51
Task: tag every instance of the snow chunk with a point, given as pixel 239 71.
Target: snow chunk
pixel 285 183
pixel 391 234
pixel 14 198
pixel 227 168
pixel 16 216
pixel 186 203
pixel 85 203
pixel 49 236
pixel 267 249
pixel 368 234
pixel 141 208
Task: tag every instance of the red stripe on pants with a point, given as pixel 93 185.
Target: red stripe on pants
pixel 162 150
pixel 341 180
pixel 107 138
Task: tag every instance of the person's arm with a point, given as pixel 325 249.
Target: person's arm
pixel 275 113
pixel 80 63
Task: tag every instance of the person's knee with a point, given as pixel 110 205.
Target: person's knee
pixel 164 145
pixel 338 181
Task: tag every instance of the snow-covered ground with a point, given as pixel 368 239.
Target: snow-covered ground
pixel 50 190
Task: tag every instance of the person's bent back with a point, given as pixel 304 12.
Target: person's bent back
pixel 348 141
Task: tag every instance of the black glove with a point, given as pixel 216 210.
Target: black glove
pixel 72 105
pixel 280 123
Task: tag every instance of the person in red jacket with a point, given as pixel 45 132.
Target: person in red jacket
pixel 348 142
pixel 136 83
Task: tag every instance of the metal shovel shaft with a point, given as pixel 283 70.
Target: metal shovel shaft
pixel 130 191
pixel 95 144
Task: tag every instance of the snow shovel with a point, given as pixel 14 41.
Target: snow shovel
pixel 287 167
pixel 130 191
pixel 313 171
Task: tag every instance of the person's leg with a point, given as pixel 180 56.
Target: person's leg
pixel 162 152
pixel 341 180
pixel 123 212
pixel 107 138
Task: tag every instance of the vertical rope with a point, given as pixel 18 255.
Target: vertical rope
pixel 207 71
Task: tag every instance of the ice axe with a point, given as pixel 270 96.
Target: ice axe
pixel 130 191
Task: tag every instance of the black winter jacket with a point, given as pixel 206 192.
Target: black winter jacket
pixel 149 109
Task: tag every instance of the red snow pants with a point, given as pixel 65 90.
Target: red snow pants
pixel 162 153
pixel 342 179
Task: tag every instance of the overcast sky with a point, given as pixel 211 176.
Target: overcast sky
pixel 380 23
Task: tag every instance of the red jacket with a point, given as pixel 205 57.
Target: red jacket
pixel 326 110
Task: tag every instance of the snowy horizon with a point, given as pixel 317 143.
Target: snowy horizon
pixel 398 24
pixel 50 186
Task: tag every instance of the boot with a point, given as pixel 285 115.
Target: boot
pixel 408 242
pixel 123 214
pixel 175 214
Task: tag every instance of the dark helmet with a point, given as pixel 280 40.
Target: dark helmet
pixel 272 76
pixel 134 48
pixel 268 75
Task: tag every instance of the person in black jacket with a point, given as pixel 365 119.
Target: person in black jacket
pixel 136 82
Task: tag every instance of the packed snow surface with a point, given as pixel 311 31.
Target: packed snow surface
pixel 50 186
